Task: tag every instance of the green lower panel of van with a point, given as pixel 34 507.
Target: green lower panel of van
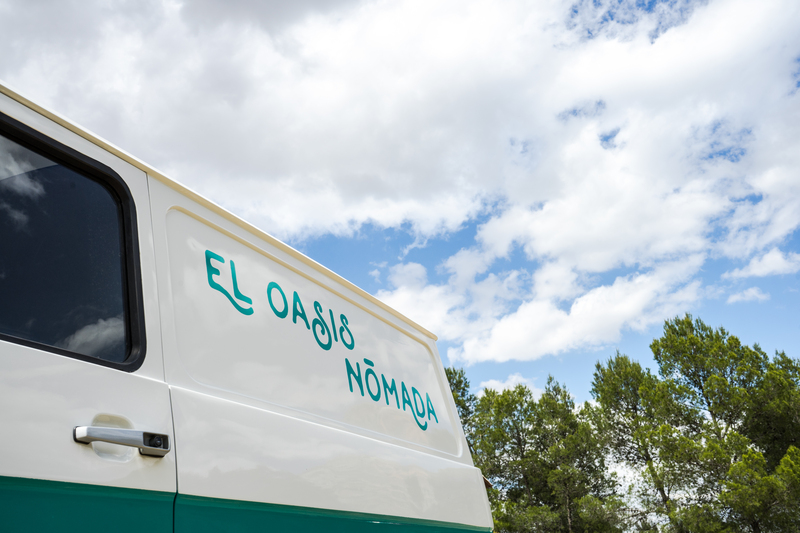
pixel 37 505
pixel 209 515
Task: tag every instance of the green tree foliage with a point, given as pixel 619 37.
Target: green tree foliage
pixel 464 399
pixel 712 436
pixel 544 459
pixel 772 421
pixel 709 443
pixel 638 425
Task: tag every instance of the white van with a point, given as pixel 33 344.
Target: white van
pixel 165 366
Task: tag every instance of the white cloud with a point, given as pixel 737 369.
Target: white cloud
pixel 512 381
pixel 408 112
pixel 481 319
pixel 772 263
pixel 748 295
pixel 376 275
pixel 412 275
pixel 616 156
pixel 596 318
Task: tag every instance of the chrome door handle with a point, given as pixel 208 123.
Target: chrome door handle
pixel 153 444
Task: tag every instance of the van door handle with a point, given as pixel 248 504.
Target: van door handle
pixel 153 444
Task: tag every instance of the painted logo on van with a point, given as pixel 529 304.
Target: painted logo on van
pixel 418 408
pixel 212 271
pixel 324 334
pixel 421 409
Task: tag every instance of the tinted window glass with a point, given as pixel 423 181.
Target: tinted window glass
pixel 61 257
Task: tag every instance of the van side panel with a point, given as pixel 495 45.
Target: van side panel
pixel 245 324
pixel 209 515
pixel 237 452
pixel 289 388
pixel 39 505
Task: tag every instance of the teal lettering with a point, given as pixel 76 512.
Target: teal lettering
pixel 298 311
pixel 351 372
pixel 333 326
pixel 416 395
pixel 367 373
pixel 342 329
pixel 406 397
pixel 416 412
pixel 430 408
pixel 212 271
pixel 239 295
pixel 280 314
pixel 417 406
pixel 319 322
pixel 387 390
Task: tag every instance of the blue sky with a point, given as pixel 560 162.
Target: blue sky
pixel 539 183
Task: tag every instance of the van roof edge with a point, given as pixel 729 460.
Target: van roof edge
pixel 183 189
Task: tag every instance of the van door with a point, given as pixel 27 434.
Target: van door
pixel 86 438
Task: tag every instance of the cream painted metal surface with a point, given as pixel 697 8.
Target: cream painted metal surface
pixel 44 395
pixel 269 413
pixel 273 347
pixel 248 453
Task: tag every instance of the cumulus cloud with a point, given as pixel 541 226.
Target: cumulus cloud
pixel 512 381
pixel 772 263
pixel 593 18
pixel 753 294
pixel 270 15
pixel 614 146
pixel 375 274
pixel 411 275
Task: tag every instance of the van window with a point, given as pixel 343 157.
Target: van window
pixel 62 258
